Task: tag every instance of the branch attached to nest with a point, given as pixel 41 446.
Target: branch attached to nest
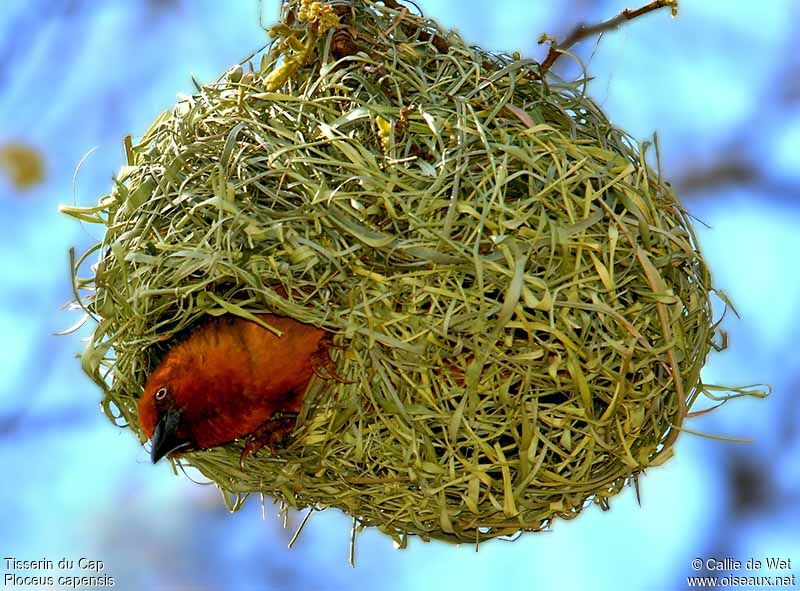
pixel 441 45
pixel 582 32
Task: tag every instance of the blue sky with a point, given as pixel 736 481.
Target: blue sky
pixel 716 84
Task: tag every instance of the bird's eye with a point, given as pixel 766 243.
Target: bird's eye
pixel 162 393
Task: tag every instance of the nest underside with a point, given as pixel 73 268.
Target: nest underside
pixel 520 301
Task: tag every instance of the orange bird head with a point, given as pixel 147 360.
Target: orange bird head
pixel 227 380
pixel 162 411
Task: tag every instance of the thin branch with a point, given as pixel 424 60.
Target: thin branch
pixel 582 32
pixel 731 170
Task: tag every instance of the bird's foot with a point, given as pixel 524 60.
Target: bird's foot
pixel 322 364
pixel 272 434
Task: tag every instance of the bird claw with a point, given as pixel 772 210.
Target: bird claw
pixel 272 434
pixel 323 366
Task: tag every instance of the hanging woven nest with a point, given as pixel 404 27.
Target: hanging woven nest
pixel 520 303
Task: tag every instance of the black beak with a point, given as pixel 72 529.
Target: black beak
pixel 165 436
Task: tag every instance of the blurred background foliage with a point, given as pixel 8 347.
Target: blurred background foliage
pixel 720 85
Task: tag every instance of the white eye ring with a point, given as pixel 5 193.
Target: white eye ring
pixel 162 393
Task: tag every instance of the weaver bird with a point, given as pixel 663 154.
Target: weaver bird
pixel 232 378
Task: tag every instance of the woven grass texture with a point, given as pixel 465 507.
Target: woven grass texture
pixel 519 301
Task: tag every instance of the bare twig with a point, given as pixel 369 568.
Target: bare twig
pixel 582 32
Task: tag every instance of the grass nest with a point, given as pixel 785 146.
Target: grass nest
pixel 521 304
